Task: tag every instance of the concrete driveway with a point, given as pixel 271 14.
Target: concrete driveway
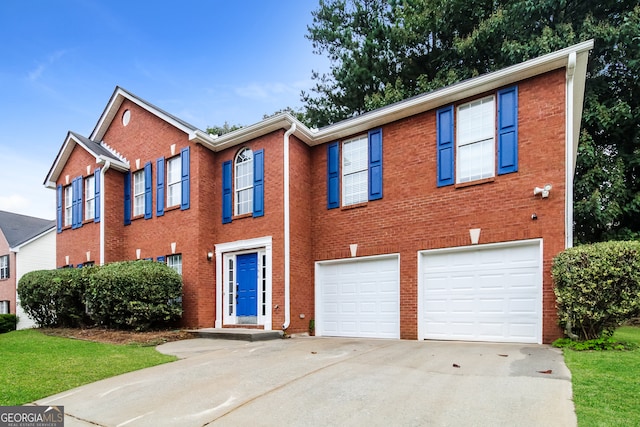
pixel 310 381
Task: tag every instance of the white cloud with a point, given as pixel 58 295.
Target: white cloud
pixel 50 60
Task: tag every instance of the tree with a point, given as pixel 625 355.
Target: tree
pixel 385 51
pixel 221 130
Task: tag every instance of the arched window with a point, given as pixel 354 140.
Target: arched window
pixel 244 182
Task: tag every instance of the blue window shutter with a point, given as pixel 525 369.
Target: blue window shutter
pixel 96 177
pixel 127 198
pixel 160 187
pixel 375 164
pixel 508 130
pixel 333 176
pixel 59 207
pixel 445 165
pixel 227 199
pixel 148 191
pixel 80 206
pixel 258 183
pixel 74 203
pixel 185 182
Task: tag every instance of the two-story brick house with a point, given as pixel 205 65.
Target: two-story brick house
pixel 437 217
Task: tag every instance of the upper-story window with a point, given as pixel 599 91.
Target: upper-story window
pixel 138 193
pixel 475 141
pixel 175 184
pixel 243 185
pixel 354 170
pixel 4 267
pixel 68 206
pixel 244 182
pixel 482 132
pixel 89 197
pixel 174 188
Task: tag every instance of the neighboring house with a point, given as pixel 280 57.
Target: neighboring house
pixel 26 244
pixel 417 221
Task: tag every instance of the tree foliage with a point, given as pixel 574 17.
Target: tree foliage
pixel 383 51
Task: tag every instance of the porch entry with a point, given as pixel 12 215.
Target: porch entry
pixel 245 288
pixel 243 283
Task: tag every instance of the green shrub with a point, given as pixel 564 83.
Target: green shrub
pixel 135 295
pixel 8 323
pixel 597 287
pixel 598 344
pixel 55 297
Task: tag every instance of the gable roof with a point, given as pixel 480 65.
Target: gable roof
pixel 100 150
pixel 19 229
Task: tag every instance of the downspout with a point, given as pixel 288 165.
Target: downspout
pixel 569 159
pixel 287 232
pixel 103 171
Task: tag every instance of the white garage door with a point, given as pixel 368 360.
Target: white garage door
pixel 358 298
pixel 482 293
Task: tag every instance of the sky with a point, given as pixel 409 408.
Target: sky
pixel 205 61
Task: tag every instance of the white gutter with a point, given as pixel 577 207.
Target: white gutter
pixel 287 231
pixel 103 171
pixel 569 166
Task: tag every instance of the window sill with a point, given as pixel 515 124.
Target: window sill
pixel 171 208
pixel 134 218
pixel 247 215
pixel 477 182
pixel 354 206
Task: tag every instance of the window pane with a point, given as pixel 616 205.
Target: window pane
pixel 68 205
pixel 244 182
pixel 475 140
pixel 138 191
pixel 354 171
pixel 174 186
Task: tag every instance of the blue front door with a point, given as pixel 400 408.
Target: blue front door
pixel 247 285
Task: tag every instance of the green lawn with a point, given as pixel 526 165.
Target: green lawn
pixel 34 365
pixel 606 384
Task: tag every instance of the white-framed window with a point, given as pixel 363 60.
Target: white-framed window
pixel 175 262
pixel 4 267
pixel 355 171
pixel 244 182
pixel 475 140
pixel 174 184
pixel 90 197
pixel 231 286
pixel 68 205
pixel 138 193
pixel 4 307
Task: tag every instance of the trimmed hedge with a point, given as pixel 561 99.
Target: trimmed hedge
pixel 135 295
pixel 55 297
pixel 126 295
pixel 8 323
pixel 597 287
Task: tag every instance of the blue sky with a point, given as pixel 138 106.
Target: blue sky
pixel 207 62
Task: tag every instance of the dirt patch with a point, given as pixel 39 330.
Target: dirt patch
pixel 109 336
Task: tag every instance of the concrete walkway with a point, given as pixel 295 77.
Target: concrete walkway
pixel 310 381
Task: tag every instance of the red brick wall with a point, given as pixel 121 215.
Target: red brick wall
pixel 271 224
pixel 75 243
pixel 417 215
pixel 8 286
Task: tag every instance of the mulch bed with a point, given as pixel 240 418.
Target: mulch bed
pixel 110 336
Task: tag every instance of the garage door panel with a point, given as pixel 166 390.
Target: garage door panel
pixel 488 293
pixel 367 292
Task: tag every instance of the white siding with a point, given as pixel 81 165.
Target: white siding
pixel 38 254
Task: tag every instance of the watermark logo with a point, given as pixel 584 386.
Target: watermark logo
pixel 31 416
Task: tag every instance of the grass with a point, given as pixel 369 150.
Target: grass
pixel 606 384
pixel 35 365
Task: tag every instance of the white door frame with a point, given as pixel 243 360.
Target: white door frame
pixel 225 251
pixel 421 284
